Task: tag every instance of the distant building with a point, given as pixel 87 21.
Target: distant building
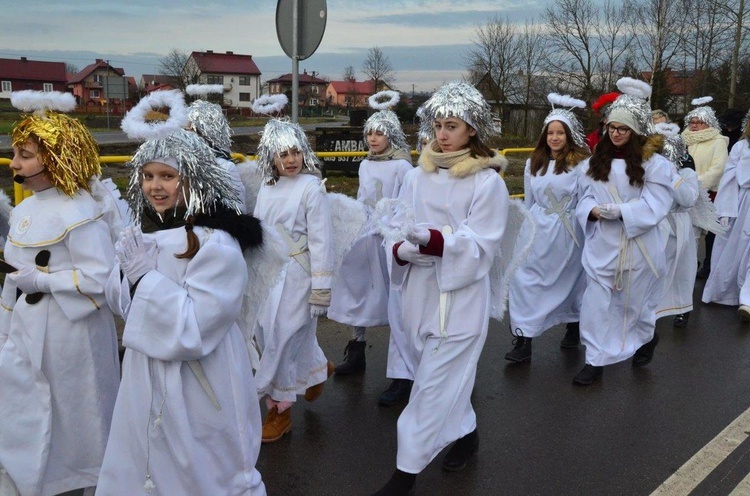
pixel 157 82
pixel 238 73
pixel 99 83
pixel 351 93
pixel 23 74
pixel 681 86
pixel 312 89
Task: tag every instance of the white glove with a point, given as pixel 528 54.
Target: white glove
pixel 132 252
pixel 724 221
pixel 317 311
pixel 609 211
pixel 409 252
pixel 30 280
pixel 419 236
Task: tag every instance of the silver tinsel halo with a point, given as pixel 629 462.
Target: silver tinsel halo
pixel 280 135
pixel 639 109
pixel 567 116
pixel 745 121
pixel 386 121
pixel 207 119
pixel 675 148
pixel 462 100
pixel 204 185
pixel 703 113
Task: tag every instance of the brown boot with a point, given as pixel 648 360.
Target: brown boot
pixel 313 392
pixel 276 424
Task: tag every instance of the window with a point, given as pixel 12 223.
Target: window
pixel 214 79
pixel 244 97
pixel 245 80
pixel 98 78
pixel 47 87
pixel 314 89
pixel 94 94
pixel 7 87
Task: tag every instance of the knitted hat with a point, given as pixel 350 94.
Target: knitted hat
pixel 631 107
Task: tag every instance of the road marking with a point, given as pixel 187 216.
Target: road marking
pixel 705 461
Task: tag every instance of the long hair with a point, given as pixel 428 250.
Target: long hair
pixel 569 156
pixel 604 152
pixel 479 149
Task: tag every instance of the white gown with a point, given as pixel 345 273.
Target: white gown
pixel 730 260
pixel 476 208
pixel 165 423
pixel 680 245
pixel 59 367
pixel 624 260
pixel 291 358
pixel 359 292
pixel 548 288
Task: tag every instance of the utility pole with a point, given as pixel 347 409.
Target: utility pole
pixel 106 92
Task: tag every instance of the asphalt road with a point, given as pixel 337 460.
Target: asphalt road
pixel 540 434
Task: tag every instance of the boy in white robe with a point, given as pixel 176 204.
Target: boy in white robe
pixel 442 268
pixel 361 294
pixel 59 368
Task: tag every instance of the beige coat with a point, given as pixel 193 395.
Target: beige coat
pixel 709 151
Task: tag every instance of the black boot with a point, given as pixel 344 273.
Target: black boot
pixel 587 375
pixel 521 351
pixel 354 358
pixel 398 391
pixel 681 320
pixel 400 484
pixel 572 336
pixel 646 352
pixel 461 451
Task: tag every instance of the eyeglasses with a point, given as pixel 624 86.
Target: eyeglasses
pixel 695 123
pixel 617 130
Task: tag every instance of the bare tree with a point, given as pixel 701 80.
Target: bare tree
pixel 574 51
pixel 175 64
pixel 377 66
pixel 71 68
pixel 535 86
pixel 615 37
pixel 661 29
pixel 736 13
pixel 348 73
pixel 493 61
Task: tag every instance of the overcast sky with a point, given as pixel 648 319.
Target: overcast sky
pixel 426 41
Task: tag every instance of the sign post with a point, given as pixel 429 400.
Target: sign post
pixel 300 25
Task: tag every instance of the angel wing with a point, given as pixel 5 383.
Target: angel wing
pixel 349 218
pixel 5 209
pixel 703 214
pixel 114 207
pixel 252 178
pixel 515 246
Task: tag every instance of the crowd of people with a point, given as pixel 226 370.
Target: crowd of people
pixel 221 270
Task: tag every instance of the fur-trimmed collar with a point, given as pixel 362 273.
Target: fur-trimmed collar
pixel 460 163
pixel 654 144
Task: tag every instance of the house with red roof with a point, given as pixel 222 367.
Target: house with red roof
pixel 24 74
pixel 99 83
pixel 238 73
pixel 312 89
pixel 681 86
pixel 157 82
pixel 351 93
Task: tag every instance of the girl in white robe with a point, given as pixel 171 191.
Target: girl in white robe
pixel 460 206
pixel 59 368
pixel 187 419
pixel 361 292
pixel 624 192
pixel 728 282
pixel 548 288
pixel 294 202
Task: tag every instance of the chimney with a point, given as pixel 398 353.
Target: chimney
pixel 230 53
pixel 23 59
pixel 99 60
pixel 209 51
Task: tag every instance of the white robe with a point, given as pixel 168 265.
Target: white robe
pixel 359 292
pixel 730 260
pixel 680 245
pixel 291 358
pixel 476 208
pixel 59 368
pixel 624 284
pixel 165 423
pixel 548 288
